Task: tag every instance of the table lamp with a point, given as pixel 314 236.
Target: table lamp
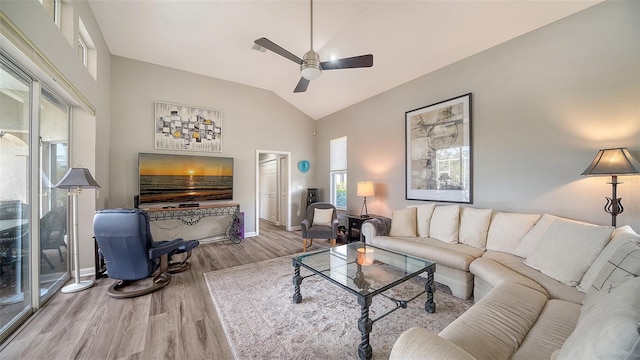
pixel 613 162
pixel 74 181
pixel 365 188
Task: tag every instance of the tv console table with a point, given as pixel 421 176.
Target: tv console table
pixel 192 215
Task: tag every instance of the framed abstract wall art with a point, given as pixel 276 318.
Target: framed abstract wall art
pixel 439 151
pixel 183 127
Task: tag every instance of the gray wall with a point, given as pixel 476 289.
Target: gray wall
pixel 543 105
pixel 253 119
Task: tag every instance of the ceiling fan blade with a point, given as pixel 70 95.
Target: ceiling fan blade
pixel 268 44
pixel 302 85
pixel 348 63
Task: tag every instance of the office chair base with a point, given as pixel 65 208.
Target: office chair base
pixel 115 291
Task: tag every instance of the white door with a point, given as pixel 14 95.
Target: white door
pixel 284 190
pixel 268 191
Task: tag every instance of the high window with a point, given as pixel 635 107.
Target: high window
pixel 338 172
pixel 53 8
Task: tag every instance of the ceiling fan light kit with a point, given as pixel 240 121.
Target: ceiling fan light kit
pixel 310 68
pixel 310 65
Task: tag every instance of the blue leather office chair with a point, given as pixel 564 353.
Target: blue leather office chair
pixel 130 254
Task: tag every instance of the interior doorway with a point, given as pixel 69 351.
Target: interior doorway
pixel 273 184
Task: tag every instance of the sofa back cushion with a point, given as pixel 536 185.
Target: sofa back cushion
pixel 474 226
pixel 624 264
pixel 619 237
pixel 568 249
pixel 507 230
pixel 423 218
pixel 533 237
pixel 444 223
pixel 608 326
pixel 403 222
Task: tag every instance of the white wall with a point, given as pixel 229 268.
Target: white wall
pixel 543 105
pixel 252 119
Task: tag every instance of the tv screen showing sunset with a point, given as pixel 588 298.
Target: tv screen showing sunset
pixel 168 178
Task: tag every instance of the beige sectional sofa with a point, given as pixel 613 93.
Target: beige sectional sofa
pixel 543 286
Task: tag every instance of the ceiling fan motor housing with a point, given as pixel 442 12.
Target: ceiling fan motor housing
pixel 310 68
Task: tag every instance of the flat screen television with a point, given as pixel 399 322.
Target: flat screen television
pixel 165 178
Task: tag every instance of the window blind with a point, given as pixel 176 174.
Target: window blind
pixel 338 154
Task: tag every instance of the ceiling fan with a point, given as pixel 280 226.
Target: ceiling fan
pixel 310 65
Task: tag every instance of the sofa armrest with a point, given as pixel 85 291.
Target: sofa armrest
pixel 419 343
pixel 377 226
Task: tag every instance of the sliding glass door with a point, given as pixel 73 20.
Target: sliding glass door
pixel 34 133
pixel 15 195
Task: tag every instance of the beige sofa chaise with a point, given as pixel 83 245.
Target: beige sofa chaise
pixel 545 287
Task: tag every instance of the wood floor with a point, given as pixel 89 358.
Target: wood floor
pixel 177 322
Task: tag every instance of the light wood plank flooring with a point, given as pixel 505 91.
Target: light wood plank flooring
pixel 177 322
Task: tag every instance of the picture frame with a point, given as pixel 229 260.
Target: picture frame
pixel 184 127
pixel 439 152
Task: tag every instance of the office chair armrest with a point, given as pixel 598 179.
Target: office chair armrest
pixel 164 248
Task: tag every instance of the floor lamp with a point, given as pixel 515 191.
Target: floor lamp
pixel 365 188
pixel 613 162
pixel 74 181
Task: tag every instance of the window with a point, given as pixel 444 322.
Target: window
pixel 338 172
pixel 53 8
pixel 87 50
pixel 82 50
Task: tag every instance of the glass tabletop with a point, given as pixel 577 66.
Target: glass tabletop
pixel 364 269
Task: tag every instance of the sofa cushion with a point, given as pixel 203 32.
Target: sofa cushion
pixel 608 326
pixel 507 229
pixel 535 235
pixel 457 256
pixel 322 217
pixel 623 265
pixel 496 325
pixel 423 218
pixel 403 222
pixel 554 325
pixel 474 226
pixel 554 288
pixel 444 223
pixel 567 250
pixel 620 236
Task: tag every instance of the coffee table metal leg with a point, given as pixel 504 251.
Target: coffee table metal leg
pixel 430 286
pixel 297 280
pixel 364 325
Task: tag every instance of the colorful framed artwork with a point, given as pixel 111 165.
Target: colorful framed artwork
pixel 183 127
pixel 439 152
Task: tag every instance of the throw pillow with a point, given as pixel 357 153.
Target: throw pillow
pixel 403 222
pixel 567 250
pixel 322 217
pixel 608 327
pixel 507 230
pixel 423 218
pixel 623 265
pixel 474 226
pixel 444 223
pixel 533 237
pixel 620 236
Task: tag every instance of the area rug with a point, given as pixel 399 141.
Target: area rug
pixel 254 303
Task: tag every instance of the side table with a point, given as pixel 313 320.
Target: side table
pixel 354 225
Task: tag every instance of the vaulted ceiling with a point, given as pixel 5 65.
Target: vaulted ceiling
pixel 407 39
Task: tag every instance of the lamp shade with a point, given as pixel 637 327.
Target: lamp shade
pixel 77 178
pixel 365 188
pixel 444 177
pixel 616 161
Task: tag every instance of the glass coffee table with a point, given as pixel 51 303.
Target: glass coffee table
pixel 365 271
